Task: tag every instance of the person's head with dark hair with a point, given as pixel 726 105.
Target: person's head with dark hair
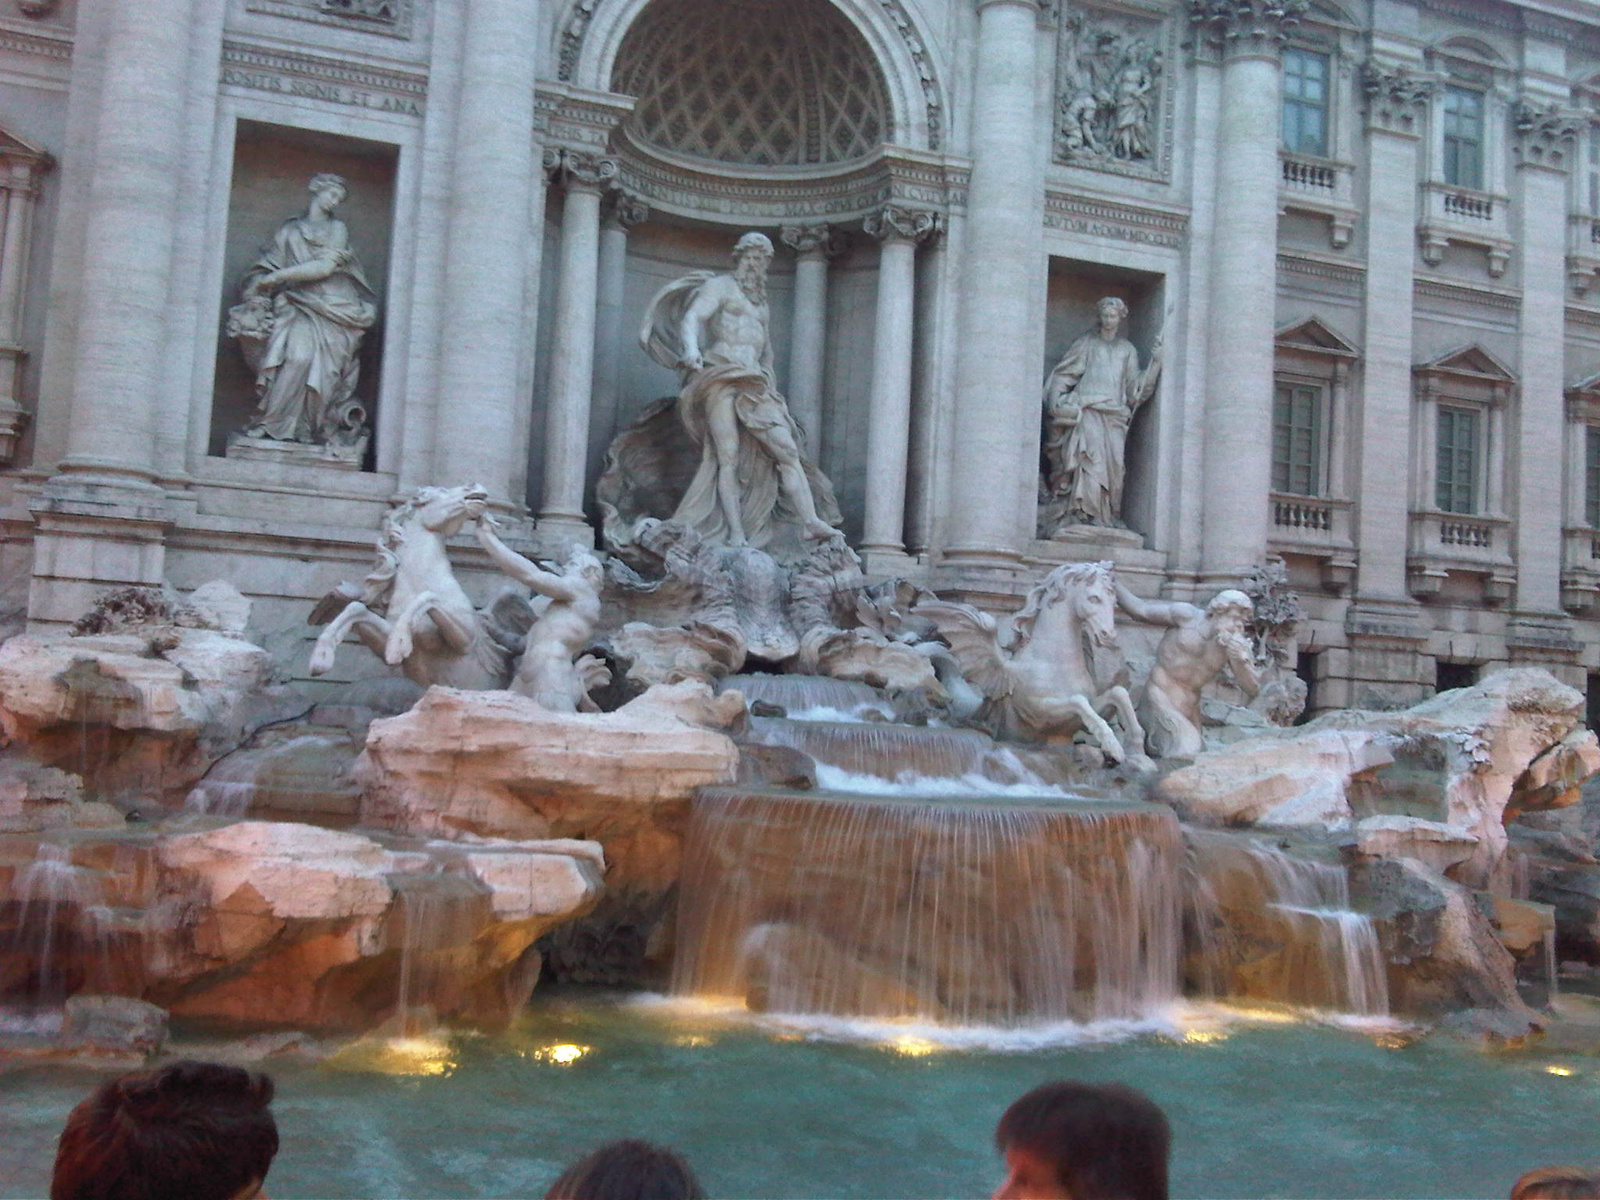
pixel 1558 1183
pixel 188 1131
pixel 628 1170
pixel 1083 1141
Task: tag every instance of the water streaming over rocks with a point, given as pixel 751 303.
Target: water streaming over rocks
pixel 967 913
pixel 435 922
pixel 1269 926
pixel 812 696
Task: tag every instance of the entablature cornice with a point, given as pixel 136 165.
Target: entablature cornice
pixel 578 119
pixel 836 193
pixel 295 74
pixel 1075 212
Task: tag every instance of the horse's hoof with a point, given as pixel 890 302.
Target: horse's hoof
pixel 321 662
pixel 1140 764
pixel 395 652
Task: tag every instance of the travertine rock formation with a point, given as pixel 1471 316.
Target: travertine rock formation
pixel 1457 760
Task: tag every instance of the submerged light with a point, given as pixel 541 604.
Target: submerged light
pixel 912 1047
pixel 1562 1071
pixel 562 1054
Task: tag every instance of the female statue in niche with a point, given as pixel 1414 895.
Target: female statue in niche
pixel 305 307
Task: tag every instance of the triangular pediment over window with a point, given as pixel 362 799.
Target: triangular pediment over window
pixel 1311 336
pixel 12 146
pixel 1473 362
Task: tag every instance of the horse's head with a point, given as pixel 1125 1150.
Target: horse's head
pixel 1094 601
pixel 445 510
pixel 1080 593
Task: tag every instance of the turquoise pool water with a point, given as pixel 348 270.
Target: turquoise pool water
pixel 1260 1107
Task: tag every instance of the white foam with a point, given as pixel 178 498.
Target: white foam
pixel 909 783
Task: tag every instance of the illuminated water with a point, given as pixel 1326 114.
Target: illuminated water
pixel 1260 1108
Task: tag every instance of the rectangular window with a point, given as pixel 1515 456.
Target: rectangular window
pixel 1305 102
pixel 1594 170
pixel 1457 486
pixel 1591 477
pixel 1463 137
pixel 1297 440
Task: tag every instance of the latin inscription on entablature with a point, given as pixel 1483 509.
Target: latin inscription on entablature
pixel 1115 92
pixel 1126 223
pixel 334 81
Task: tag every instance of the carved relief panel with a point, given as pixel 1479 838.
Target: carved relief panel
pixel 1114 93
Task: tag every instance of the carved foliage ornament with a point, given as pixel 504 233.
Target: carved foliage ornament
pixel 1247 26
pixel 624 208
pixel 813 239
pixel 576 169
pixel 907 224
pixel 1396 98
pixel 1112 80
pixel 1543 135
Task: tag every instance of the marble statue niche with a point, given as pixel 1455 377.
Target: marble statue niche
pixel 1090 399
pixel 1036 670
pixel 725 457
pixel 1110 90
pixel 1198 645
pixel 305 306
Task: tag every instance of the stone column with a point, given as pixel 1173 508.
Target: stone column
pixel 1238 417
pixel 814 245
pixel 997 379
pixel 1396 104
pixel 620 212
pixel 1543 141
pixel 128 241
pixel 889 415
pixel 18 191
pixel 571 382
pixel 492 174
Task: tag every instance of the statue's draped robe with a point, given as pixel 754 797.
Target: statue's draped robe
pixel 309 367
pixel 769 522
pixel 1089 400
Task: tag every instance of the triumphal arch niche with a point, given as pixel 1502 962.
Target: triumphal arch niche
pixel 819 125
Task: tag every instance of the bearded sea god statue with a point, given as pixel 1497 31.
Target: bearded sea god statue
pixel 752 485
pixel 1089 401
pixel 304 310
pixel 1198 644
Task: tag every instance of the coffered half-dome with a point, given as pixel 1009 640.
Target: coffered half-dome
pixel 777 83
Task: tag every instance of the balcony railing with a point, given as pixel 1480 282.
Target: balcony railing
pixel 1583 251
pixel 1321 186
pixel 1580 568
pixel 1468 216
pixel 1442 542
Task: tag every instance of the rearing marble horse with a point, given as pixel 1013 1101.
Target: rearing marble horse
pixel 410 611
pixel 1036 671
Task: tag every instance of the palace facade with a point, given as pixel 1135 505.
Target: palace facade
pixel 1365 233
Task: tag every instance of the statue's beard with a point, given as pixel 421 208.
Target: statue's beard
pixel 752 280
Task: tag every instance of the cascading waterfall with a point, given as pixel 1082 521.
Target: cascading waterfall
pixel 882 750
pixel 60 943
pixel 437 917
pixel 959 912
pixel 1269 926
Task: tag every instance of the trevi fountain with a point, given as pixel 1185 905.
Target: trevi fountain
pixel 705 811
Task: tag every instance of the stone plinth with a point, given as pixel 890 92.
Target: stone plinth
pixel 301 454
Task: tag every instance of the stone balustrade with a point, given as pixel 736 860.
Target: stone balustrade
pixel 1323 187
pixel 1442 542
pixel 1468 217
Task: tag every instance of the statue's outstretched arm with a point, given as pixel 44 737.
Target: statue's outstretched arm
pixel 523 570
pixel 1151 612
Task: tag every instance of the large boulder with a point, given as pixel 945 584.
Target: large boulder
pixel 140 712
pixel 495 764
pixel 1456 760
pixel 1440 945
pixel 274 923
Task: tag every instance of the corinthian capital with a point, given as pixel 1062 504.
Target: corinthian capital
pixel 578 169
pixel 812 239
pixel 622 207
pixel 1396 98
pixel 1241 27
pixel 907 224
pixel 1544 135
